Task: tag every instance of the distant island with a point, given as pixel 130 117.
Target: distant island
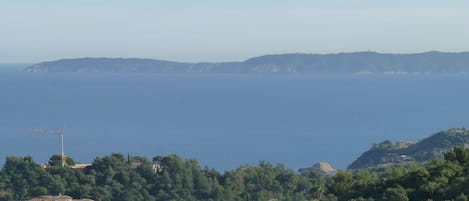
pixel 341 63
pixel 435 146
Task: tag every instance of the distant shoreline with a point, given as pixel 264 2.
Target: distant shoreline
pixel 341 63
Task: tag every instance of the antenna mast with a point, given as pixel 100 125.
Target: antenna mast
pixel 53 132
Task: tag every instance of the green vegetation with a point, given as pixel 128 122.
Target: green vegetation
pixel 171 178
pixel 386 153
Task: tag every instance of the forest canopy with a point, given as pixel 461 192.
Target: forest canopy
pixel 119 178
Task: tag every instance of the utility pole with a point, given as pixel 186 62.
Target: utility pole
pixel 53 132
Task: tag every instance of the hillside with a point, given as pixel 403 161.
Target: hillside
pixel 434 146
pixel 117 178
pixel 342 63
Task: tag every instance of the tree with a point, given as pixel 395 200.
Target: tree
pixel 56 161
pixel 317 192
pixel 395 194
pixel 461 197
pixel 341 185
pixel 6 195
pixel 458 154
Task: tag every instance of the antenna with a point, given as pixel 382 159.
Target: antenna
pixel 53 132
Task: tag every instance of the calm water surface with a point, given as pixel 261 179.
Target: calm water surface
pixel 224 120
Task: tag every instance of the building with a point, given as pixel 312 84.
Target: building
pixel 155 166
pixel 81 166
pixel 57 198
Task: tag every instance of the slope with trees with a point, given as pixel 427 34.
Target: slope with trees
pixel 386 152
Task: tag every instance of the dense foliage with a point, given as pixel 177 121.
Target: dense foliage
pixel 117 178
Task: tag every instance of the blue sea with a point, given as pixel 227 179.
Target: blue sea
pixel 224 121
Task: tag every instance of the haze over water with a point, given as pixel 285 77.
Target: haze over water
pixel 224 120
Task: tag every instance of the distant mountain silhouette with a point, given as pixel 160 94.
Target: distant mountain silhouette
pixel 341 63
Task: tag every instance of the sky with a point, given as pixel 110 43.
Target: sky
pixel 220 30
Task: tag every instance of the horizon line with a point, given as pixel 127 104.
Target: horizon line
pixel 242 60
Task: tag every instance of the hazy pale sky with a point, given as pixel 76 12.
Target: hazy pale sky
pixel 219 30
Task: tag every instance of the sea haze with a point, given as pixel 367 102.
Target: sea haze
pixel 224 120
